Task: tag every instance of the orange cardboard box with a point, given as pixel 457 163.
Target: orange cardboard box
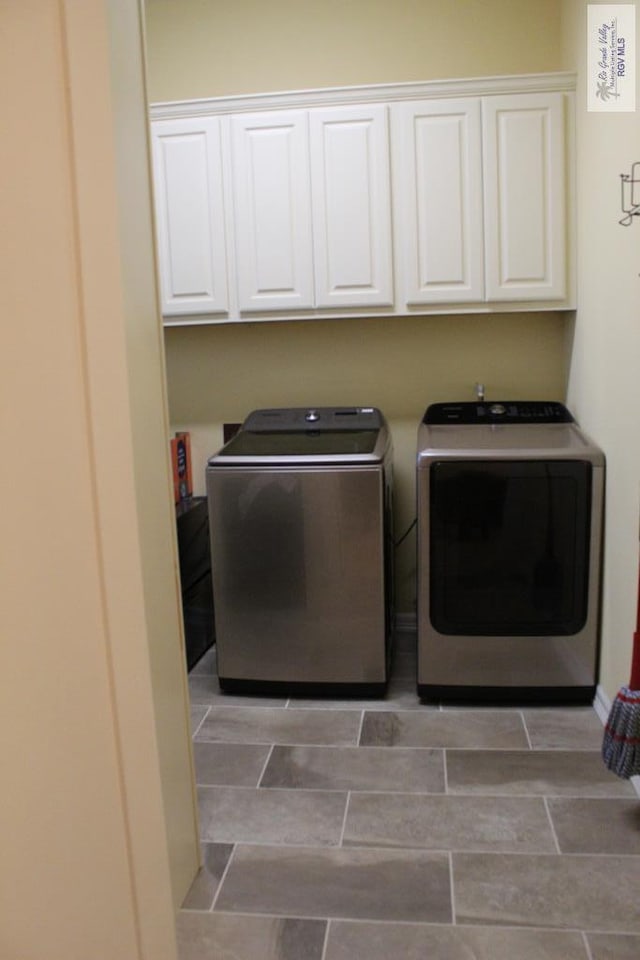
pixel 181 462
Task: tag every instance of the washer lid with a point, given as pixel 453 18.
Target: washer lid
pixel 302 435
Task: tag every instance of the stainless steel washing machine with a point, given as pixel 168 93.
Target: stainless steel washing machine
pixel 510 498
pixel 301 545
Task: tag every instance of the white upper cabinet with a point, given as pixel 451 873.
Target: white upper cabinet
pixel 312 208
pixel 438 197
pixel 402 199
pixel 349 149
pixel 272 205
pixel 525 207
pixel 190 219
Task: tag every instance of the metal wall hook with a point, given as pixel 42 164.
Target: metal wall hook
pixel 630 195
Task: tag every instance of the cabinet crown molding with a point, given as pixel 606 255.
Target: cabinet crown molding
pixel 335 96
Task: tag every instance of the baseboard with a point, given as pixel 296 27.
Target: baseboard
pixel 602 706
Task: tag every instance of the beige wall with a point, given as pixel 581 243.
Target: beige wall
pixel 85 868
pixel 198 48
pixel 204 48
pixel 604 382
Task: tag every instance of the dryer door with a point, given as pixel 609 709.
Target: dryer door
pixel 509 547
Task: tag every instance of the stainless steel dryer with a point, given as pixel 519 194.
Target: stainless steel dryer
pixel 510 501
pixel 301 546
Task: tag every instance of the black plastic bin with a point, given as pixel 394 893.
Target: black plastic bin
pixel 195 574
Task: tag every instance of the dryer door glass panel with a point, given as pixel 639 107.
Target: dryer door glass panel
pixel 509 547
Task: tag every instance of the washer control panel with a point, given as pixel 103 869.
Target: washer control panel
pixel 301 419
pixel 498 411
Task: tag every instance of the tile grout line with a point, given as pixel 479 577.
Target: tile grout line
pixel 265 765
pixel 551 824
pixel 360 728
pixel 463 851
pixel 204 717
pixel 222 879
pixel 526 729
pixel 454 919
pixel 587 946
pixel 344 821
pixel 325 944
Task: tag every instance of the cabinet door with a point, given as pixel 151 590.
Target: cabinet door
pixel 524 176
pixel 190 216
pixel 272 203
pixel 351 206
pixel 438 192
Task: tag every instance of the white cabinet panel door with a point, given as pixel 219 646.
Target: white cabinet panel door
pixel 438 192
pixel 272 205
pixel 524 175
pixel 351 206
pixel 190 216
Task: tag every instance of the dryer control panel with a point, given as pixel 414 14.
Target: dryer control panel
pixel 498 411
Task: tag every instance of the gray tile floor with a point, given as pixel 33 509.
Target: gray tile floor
pixel 377 829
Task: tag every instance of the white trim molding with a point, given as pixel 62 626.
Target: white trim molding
pixel 601 704
pixel 336 96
